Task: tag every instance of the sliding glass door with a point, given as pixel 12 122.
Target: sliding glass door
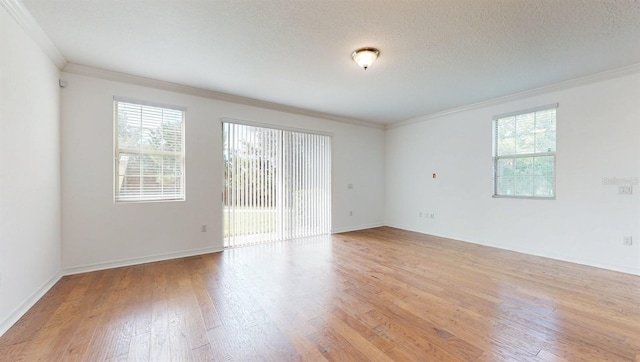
pixel 277 184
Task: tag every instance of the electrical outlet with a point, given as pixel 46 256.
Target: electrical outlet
pixel 203 228
pixel 627 240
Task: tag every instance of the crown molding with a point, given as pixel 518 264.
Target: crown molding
pixel 94 72
pixel 23 17
pixel 572 83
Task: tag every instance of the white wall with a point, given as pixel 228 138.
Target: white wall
pixel 99 233
pixel 29 172
pixel 598 135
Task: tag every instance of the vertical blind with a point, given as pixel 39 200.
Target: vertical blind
pixel 277 184
pixel 149 152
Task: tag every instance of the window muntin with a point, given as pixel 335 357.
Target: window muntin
pixel 525 154
pixel 149 152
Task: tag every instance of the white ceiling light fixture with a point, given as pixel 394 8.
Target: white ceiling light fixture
pixel 365 56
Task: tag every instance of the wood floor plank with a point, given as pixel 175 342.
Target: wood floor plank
pixel 229 344
pixel 52 339
pixel 208 311
pixel 377 294
pixel 140 348
pixel 11 352
pixel 39 314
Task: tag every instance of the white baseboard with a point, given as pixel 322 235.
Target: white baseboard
pixel 33 299
pixel 356 228
pixel 535 252
pixel 28 303
pixel 141 260
pixel 566 258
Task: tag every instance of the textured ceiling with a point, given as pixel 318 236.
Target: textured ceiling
pixel 435 55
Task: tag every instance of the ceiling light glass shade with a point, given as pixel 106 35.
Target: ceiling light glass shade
pixel 365 56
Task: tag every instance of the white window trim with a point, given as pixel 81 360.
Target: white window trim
pixel 539 154
pixel 117 150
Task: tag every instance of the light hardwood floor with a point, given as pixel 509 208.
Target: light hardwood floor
pixel 374 295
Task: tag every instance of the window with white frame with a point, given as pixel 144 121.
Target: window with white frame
pixel 149 151
pixel 524 153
